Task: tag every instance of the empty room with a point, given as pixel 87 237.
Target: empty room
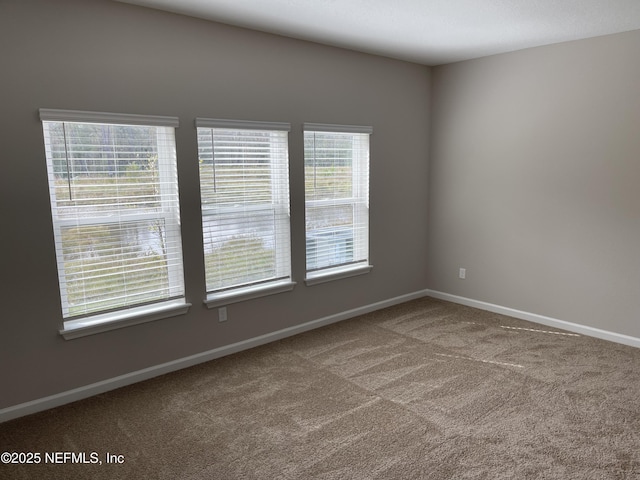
pixel 282 239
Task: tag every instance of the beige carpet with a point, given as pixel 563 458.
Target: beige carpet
pixel 423 390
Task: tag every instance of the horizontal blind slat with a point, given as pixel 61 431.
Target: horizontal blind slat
pixel 336 166
pixel 244 185
pixel 115 210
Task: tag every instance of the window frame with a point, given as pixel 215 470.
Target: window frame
pixel 74 326
pixel 359 201
pixel 283 279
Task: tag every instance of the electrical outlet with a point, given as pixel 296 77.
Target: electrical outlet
pixel 462 273
pixel 222 314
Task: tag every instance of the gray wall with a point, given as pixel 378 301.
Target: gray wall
pixel 532 177
pixel 534 172
pixel 112 57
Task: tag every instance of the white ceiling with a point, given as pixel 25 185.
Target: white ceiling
pixel 431 32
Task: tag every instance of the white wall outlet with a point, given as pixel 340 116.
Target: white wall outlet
pixel 222 314
pixel 462 273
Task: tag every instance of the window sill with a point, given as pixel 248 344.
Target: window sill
pixel 336 274
pixel 121 319
pixel 240 294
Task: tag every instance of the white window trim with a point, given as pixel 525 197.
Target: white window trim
pixel 241 124
pixel 103 322
pixel 330 127
pixel 235 295
pixel 54 115
pixel 268 287
pixel 315 277
pixel 337 273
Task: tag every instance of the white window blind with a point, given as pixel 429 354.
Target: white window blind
pixel 336 168
pixel 244 184
pixel 114 202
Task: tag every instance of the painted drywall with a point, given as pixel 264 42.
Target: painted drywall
pixel 534 171
pixel 98 55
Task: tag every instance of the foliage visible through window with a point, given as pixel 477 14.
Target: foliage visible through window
pixel 245 205
pixel 336 171
pixel 115 214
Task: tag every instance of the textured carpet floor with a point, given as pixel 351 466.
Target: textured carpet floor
pixel 423 390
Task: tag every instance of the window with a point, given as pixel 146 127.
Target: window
pixel 336 170
pixel 244 186
pixel 114 203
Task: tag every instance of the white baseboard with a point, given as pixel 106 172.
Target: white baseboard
pixel 86 391
pixel 541 319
